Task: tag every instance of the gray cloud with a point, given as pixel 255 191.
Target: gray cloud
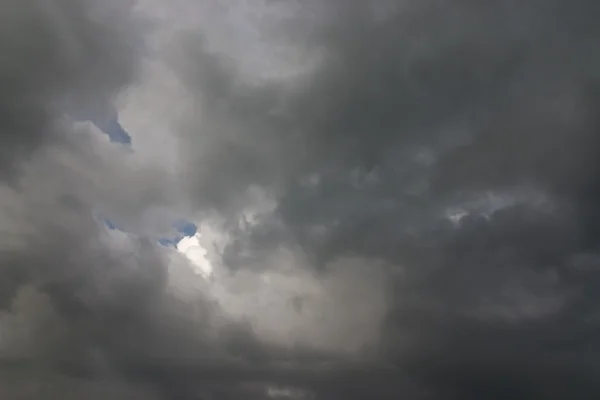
pixel 409 214
pixel 59 56
pixel 454 140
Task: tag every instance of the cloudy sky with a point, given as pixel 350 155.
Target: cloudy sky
pixel 299 199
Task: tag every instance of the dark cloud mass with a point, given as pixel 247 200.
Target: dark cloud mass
pixel 411 216
pixel 58 55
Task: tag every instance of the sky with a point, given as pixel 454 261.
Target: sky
pixel 317 199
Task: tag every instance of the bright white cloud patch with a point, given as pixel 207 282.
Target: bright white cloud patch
pixel 191 248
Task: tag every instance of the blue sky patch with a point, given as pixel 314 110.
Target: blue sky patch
pixel 117 134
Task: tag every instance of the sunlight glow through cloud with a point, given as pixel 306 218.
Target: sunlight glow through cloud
pixel 190 247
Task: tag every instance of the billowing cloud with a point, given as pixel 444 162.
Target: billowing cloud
pixel 393 199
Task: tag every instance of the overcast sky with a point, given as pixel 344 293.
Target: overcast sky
pixel 316 199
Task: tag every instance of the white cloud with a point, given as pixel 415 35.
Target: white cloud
pixel 190 246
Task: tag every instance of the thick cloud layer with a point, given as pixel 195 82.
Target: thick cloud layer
pixel 394 199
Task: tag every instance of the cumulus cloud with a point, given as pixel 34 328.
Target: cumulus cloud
pixel 394 199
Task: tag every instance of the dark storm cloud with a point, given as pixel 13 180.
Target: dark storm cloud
pixel 444 148
pixel 57 56
pixel 68 297
pixel 516 78
pixel 458 141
